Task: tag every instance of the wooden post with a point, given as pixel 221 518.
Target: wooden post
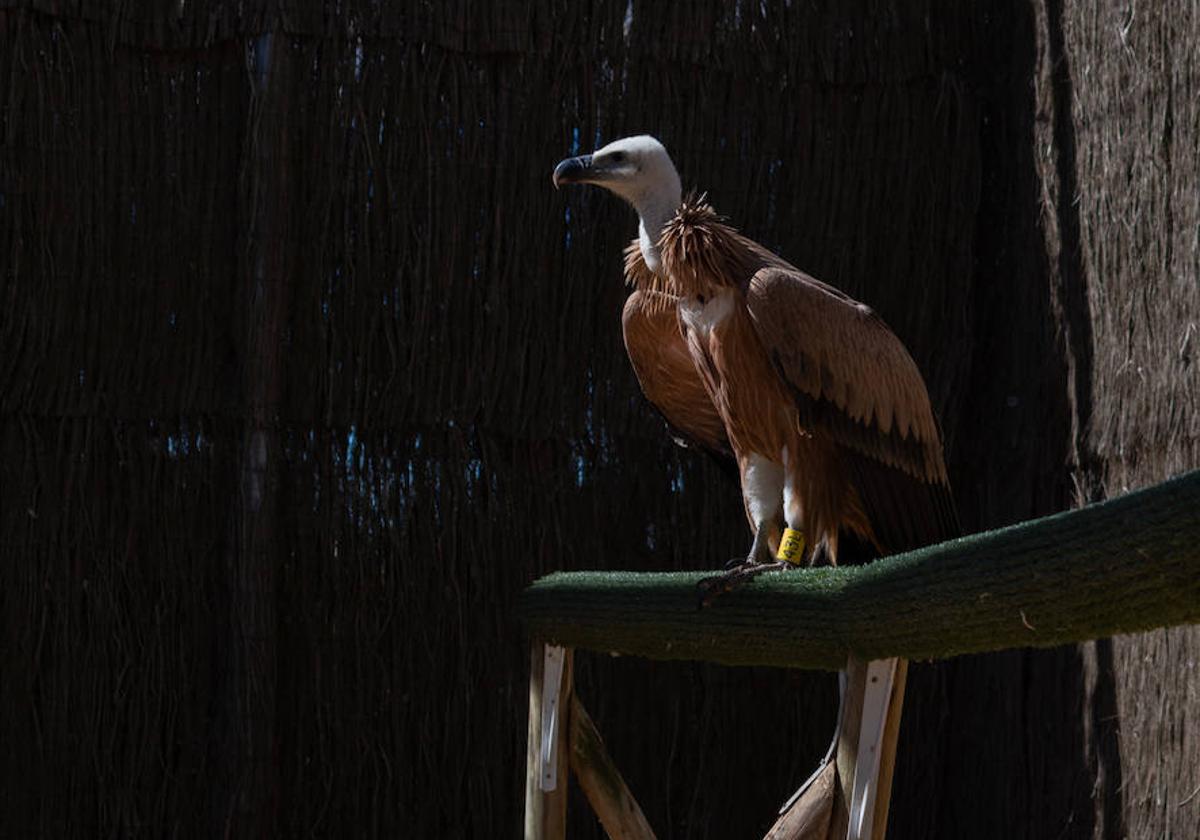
pixel 850 717
pixel 891 736
pixel 547 760
pixel 862 680
pixel 601 781
pixel 823 808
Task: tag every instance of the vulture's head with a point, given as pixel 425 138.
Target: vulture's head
pixel 638 169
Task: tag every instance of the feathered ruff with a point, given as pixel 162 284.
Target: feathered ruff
pixel 701 255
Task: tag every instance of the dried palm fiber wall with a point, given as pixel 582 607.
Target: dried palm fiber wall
pixel 307 372
pixel 1127 120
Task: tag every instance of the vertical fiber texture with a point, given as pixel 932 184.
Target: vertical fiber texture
pixel 305 374
pixel 1134 123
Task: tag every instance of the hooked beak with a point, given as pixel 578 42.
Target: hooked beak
pixel 576 170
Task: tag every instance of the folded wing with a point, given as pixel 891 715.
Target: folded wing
pixel 855 384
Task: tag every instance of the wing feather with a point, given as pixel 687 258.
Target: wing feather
pixel 848 371
pixel 853 381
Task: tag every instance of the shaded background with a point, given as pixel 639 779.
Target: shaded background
pixel 306 371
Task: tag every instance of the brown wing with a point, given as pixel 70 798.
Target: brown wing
pixel 855 384
pixel 666 372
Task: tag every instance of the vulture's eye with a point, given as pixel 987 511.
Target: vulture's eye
pixel 617 157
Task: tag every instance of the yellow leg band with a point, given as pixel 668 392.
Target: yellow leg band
pixel 791 546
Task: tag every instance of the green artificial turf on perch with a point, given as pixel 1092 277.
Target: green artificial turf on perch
pixel 1128 564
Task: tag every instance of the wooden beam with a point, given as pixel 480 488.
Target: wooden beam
pixel 891 738
pixel 601 781
pixel 1125 565
pixel 546 782
pixel 846 758
pixel 811 816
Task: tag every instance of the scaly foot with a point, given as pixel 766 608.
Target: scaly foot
pixel 745 570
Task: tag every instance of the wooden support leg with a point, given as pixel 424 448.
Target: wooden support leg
pixel 866 758
pixel 547 767
pixel 834 804
pixel 891 737
pixel 601 781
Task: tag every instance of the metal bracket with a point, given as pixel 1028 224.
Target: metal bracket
pixel 876 698
pixel 551 683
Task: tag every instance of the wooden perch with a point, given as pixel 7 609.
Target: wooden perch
pixel 1125 565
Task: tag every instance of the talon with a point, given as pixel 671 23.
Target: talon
pixel 747 570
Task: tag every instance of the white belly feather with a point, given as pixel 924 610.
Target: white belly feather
pixel 702 318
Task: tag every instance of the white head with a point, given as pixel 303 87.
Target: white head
pixel 639 170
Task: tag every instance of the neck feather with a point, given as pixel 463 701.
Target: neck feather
pixel 654 211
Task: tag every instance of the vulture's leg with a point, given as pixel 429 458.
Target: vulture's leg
pixel 762 492
pixel 760 549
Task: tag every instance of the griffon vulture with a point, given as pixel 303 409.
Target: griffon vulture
pixel 824 410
